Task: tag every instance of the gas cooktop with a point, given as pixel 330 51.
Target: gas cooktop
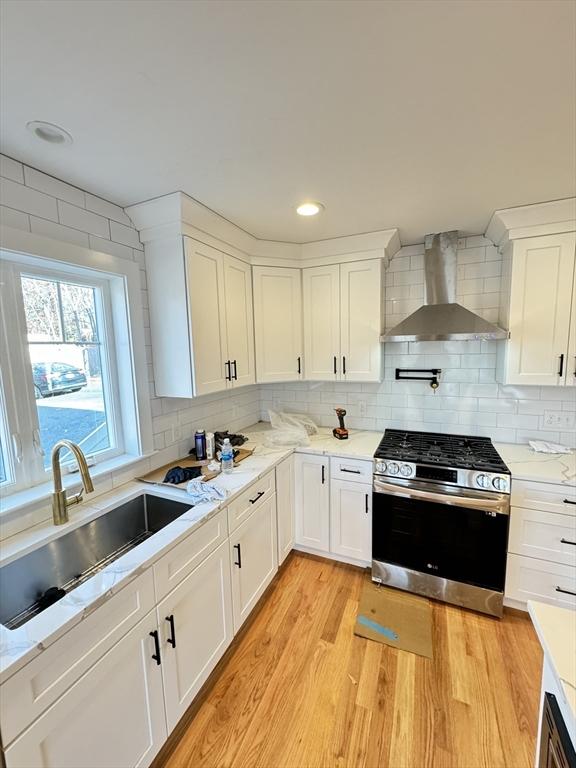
pixel 461 460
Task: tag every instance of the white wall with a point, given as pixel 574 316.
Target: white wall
pixel 34 202
pixel 469 401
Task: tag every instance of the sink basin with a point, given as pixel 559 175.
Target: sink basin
pixel 67 562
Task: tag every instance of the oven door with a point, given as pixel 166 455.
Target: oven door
pixel 456 534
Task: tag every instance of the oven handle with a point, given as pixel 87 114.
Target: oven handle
pixel 472 502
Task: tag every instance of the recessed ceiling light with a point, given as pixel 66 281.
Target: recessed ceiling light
pixel 49 132
pixel 309 209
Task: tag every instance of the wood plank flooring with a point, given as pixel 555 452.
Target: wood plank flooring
pixel 300 690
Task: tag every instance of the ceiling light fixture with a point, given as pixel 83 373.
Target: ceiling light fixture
pixel 49 132
pixel 309 209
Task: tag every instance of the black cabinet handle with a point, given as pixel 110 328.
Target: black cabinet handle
pixel 299 366
pixel 228 377
pixel 565 591
pixel 350 471
pixel 574 366
pixel 343 365
pixel 367 503
pixel 567 541
pixel 172 639
pixel 258 496
pixel 239 561
pixel 569 501
pixel 156 656
pixel 235 370
pixel 323 474
pixel 335 365
pixel 561 371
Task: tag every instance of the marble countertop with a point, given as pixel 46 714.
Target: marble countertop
pixel 526 464
pixel 556 630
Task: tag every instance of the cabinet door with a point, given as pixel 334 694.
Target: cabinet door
pixel 360 320
pixel 541 295
pixel 254 559
pixel 207 316
pixel 312 502
pixel 278 323
pixel 113 716
pixel 351 520
pixel 239 321
pixel 196 629
pixel 321 299
pixel 285 507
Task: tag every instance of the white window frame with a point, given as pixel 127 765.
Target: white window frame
pixel 129 406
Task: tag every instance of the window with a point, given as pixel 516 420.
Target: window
pixel 68 364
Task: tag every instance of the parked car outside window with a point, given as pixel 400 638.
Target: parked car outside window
pixel 57 379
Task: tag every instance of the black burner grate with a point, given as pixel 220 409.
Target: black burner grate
pixel 458 451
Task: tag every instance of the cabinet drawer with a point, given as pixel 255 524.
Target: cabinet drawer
pixel 545 497
pixel 180 561
pixel 241 507
pixel 531 579
pixel 352 470
pixel 29 692
pixel 545 535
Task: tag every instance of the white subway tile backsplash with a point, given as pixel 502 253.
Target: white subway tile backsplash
pixel 51 186
pixel 14 195
pixel 120 233
pixel 11 169
pixel 114 249
pixel 58 231
pixel 109 210
pixel 79 218
pixel 9 217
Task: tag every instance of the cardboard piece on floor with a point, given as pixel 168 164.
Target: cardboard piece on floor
pixel 395 618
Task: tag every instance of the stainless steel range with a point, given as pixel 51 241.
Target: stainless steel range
pixel 440 518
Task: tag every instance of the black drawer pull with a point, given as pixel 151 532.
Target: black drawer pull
pixel 334 364
pixel 172 639
pixel 235 370
pixel 569 501
pixel 156 656
pixel 350 471
pixel 567 541
pixel 228 376
pixel 239 561
pixel 367 503
pixel 258 496
pixel 565 591
pixel 561 371
pixel 343 365
pixel 299 365
pixel 323 474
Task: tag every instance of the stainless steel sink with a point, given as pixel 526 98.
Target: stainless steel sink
pixel 67 562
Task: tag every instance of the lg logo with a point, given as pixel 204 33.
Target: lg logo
pixel 432 566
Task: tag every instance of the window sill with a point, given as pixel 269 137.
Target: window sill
pixel 39 494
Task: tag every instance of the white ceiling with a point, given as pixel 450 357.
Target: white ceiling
pixel 422 115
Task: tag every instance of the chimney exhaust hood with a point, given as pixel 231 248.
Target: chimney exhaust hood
pixel 441 318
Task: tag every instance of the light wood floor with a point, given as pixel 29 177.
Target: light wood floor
pixel 300 690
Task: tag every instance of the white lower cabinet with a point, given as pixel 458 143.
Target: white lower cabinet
pixel 113 717
pixel 196 628
pixel 312 501
pixel 254 559
pixel 285 507
pixel 350 519
pixel 530 579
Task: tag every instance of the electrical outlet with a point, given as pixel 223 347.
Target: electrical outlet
pixel 560 419
pixel 362 407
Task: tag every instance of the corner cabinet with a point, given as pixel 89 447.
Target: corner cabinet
pixel 201 318
pixel 342 321
pixel 539 310
pixel 278 323
pixel 312 501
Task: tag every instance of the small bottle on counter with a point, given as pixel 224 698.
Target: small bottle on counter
pixel 210 445
pixel 200 444
pixel 227 456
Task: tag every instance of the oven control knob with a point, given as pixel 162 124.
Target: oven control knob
pixel 499 483
pixel 393 468
pixel 483 481
pixel 380 466
pixel 405 470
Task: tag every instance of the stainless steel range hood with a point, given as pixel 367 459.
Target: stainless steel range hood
pixel 441 318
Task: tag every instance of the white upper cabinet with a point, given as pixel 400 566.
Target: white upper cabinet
pixel 201 318
pixel 539 283
pixel 239 321
pixel 278 323
pixel 342 321
pixel 360 320
pixel 321 296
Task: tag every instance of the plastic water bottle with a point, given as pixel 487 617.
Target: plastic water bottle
pixel 227 456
